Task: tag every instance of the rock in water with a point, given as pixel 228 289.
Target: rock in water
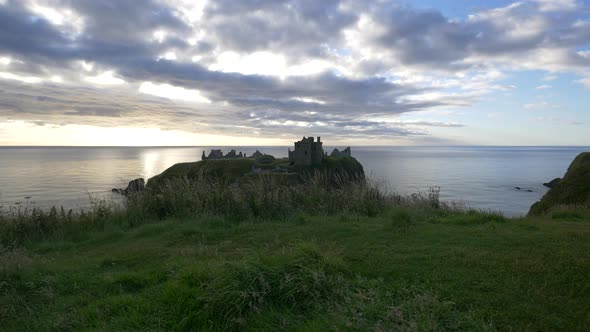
pixel 573 189
pixel 134 186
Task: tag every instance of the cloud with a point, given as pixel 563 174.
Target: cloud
pixel 298 65
pixel 549 78
pixel 543 87
pixel 556 119
pixel 557 5
pixel 299 27
pixel 547 119
pixel 585 81
pixel 540 105
pixel 518 36
pixel 105 78
pixel 172 92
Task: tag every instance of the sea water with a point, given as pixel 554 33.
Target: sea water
pixel 480 177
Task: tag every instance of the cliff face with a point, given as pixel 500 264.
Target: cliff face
pixel 227 169
pixel 573 189
pixel 233 170
pixel 347 166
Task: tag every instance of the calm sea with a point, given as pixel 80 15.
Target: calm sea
pixel 482 177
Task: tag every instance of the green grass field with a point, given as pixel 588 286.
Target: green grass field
pixel 199 252
pixel 408 269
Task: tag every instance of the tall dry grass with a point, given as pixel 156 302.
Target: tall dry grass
pixel 257 197
pixel 265 197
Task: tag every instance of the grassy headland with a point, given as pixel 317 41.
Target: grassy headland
pixel 233 170
pixel 200 254
pixel 573 189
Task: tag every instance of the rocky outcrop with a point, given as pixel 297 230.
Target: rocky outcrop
pixel 552 183
pixel 233 170
pixel 338 168
pixel 307 160
pixel 265 159
pixel 134 186
pixel 573 189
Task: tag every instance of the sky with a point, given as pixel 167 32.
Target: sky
pixel 267 72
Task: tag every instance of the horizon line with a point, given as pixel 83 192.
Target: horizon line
pixel 246 146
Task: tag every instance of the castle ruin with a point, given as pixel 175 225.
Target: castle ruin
pixel 217 154
pixel 340 154
pixel 307 152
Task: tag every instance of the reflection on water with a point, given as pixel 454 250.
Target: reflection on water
pixel 484 177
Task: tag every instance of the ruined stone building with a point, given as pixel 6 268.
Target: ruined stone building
pixel 344 153
pixel 307 152
pixel 214 154
pixel 217 154
pixel 257 154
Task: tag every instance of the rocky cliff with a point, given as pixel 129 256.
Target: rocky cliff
pixel 573 189
pixel 233 170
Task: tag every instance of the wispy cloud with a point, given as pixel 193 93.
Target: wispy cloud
pixel 540 105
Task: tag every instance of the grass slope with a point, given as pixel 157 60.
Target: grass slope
pixel 227 169
pixel 404 269
pixel 573 189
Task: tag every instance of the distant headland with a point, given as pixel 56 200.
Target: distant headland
pixel 305 159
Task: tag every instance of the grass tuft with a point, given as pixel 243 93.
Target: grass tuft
pixel 234 294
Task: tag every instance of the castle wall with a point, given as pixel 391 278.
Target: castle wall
pixel 307 152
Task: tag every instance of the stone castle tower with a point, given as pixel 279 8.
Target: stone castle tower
pixel 307 152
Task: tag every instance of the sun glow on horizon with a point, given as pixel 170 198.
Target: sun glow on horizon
pixel 22 133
